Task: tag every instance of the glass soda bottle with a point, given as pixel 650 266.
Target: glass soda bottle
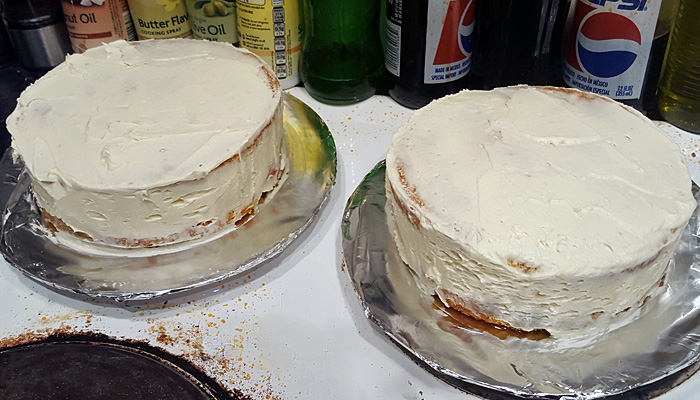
pixel 679 84
pixel 428 48
pixel 341 57
pixel 518 42
pixel 609 47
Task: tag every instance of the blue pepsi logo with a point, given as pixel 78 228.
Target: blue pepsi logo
pixel 607 44
pixel 466 28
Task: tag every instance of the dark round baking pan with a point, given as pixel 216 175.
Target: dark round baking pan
pixel 94 366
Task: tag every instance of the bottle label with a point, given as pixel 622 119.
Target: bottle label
pixel 214 20
pixel 609 46
pixel 156 19
pixel 392 48
pixel 271 29
pixel 448 39
pixel 93 22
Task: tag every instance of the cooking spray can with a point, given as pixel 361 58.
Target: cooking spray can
pixel 272 30
pixel 93 22
pixel 214 20
pixel 160 19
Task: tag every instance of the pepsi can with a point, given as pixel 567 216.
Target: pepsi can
pixel 608 50
pixel 428 48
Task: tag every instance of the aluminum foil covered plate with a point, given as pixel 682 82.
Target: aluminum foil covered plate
pixel 463 351
pixel 147 273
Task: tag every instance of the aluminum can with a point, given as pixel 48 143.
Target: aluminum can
pixel 213 20
pixel 272 30
pixel 154 19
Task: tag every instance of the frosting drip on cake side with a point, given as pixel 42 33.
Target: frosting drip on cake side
pixel 531 199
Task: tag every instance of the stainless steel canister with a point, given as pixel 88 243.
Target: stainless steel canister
pixel 37 31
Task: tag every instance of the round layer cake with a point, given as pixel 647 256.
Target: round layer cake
pixel 536 208
pixel 151 143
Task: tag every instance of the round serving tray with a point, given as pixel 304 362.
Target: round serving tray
pixel 664 341
pixel 143 274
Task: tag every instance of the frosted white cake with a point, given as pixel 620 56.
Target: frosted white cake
pixel 536 208
pixel 151 143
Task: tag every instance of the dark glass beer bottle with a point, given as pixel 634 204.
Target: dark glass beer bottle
pixel 518 42
pixel 341 58
pixel 427 49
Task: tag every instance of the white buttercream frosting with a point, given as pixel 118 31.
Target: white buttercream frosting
pixel 538 207
pixel 143 141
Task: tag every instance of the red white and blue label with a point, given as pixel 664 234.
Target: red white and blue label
pixel 609 47
pixel 448 40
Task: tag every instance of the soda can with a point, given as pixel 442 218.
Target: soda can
pixel 609 46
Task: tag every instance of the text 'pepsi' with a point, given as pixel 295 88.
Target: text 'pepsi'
pixel 608 50
pixel 629 5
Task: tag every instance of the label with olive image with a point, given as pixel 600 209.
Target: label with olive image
pixel 214 20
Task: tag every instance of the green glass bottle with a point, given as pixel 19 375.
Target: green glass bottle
pixel 342 58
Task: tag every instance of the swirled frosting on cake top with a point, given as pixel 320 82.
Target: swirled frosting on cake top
pixel 137 116
pixel 537 207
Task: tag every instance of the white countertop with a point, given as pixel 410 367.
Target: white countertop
pixel 293 328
